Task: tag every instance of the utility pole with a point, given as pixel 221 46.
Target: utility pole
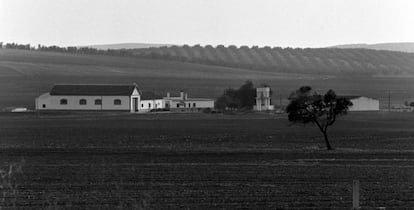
pixel 355 194
pixel 37 102
pixel 389 100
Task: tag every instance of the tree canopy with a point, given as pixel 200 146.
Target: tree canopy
pixel 242 98
pixel 307 106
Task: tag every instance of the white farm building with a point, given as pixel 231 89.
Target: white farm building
pixel 361 103
pixel 263 100
pixel 114 98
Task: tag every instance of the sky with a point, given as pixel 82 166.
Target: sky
pixel 284 23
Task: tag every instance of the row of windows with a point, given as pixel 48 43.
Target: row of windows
pixel 189 105
pixel 167 105
pixel 84 102
pixel 149 105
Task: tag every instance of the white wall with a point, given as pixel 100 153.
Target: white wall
pixel 53 103
pixel 203 104
pixel 263 99
pixel 190 104
pixel 152 104
pixel 364 104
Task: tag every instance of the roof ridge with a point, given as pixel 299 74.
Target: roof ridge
pixel 92 89
pixel 94 84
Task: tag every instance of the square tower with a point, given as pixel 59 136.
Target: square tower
pixel 263 101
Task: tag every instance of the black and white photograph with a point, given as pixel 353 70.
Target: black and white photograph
pixel 207 104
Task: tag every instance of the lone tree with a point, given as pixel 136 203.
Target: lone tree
pixel 307 106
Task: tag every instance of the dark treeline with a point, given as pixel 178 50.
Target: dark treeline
pixel 70 49
pixel 276 59
pixel 16 46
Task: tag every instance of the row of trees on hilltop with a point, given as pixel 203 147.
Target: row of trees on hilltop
pixel 16 46
pixel 289 60
pixel 276 59
pixel 70 49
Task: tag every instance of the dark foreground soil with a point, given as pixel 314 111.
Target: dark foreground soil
pixel 204 162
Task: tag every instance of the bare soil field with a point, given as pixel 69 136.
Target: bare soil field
pixel 204 161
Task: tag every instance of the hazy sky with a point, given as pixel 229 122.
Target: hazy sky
pixel 295 23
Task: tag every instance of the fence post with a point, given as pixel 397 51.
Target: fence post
pixel 355 194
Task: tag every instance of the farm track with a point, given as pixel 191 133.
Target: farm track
pixel 96 178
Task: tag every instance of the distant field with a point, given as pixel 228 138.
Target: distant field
pixel 26 74
pixel 211 161
pixel 366 130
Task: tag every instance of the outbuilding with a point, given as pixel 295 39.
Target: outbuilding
pixel 263 100
pixel 362 103
pixel 185 103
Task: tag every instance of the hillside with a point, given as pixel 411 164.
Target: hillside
pixel 25 74
pixel 327 61
pixel 127 46
pixel 400 46
pixel 37 63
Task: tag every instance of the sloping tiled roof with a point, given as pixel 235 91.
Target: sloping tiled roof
pixel 146 95
pixel 350 97
pixel 93 90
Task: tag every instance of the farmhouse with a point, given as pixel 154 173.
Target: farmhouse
pixel 114 98
pixel 184 102
pixel 361 103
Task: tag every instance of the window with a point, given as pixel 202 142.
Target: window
pixel 194 104
pixel 98 101
pixel 82 101
pixel 117 102
pixel 178 105
pixel 44 105
pixel 142 105
pixel 63 101
pixel 149 105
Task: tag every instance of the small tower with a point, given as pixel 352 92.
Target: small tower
pixel 263 101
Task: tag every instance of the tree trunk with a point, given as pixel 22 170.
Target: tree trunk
pixel 328 146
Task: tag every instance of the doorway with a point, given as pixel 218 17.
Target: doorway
pixel 135 104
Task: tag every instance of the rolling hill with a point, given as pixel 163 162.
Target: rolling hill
pixel 25 74
pixel 327 61
pixel 400 46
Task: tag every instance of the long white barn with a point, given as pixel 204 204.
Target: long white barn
pixel 113 98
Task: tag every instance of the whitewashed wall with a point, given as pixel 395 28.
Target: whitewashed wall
pixel 190 104
pixel 364 104
pixel 53 103
pixel 152 104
